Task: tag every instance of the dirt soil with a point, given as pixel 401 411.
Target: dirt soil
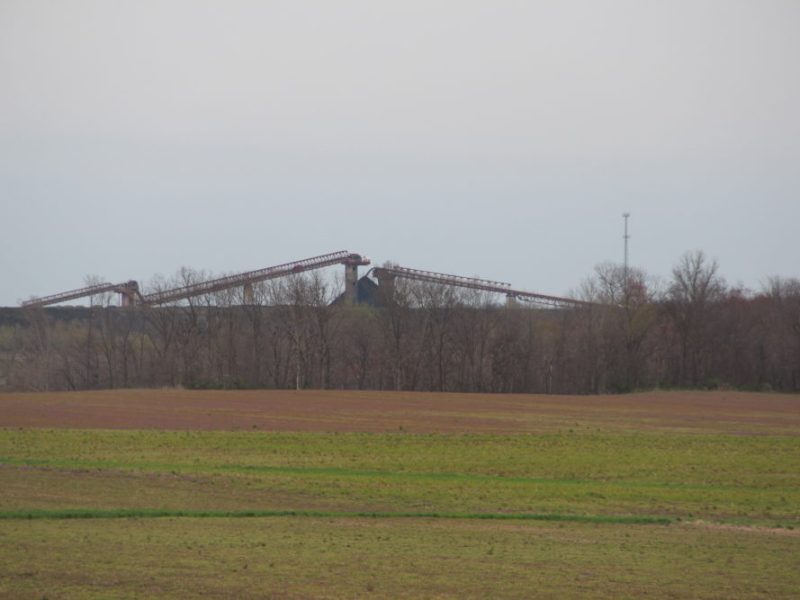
pixel 276 410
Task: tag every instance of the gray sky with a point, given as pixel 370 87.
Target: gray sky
pixel 499 139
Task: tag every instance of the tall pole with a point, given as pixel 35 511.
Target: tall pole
pixel 626 237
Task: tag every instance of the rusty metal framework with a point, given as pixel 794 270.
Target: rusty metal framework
pixel 248 278
pixel 130 294
pixel 441 278
pixel 129 291
pixel 545 300
pixel 496 287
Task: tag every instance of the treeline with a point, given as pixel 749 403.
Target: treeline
pixel 691 331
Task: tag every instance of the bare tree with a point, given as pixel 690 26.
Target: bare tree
pixel 695 287
pixel 289 332
pixel 780 322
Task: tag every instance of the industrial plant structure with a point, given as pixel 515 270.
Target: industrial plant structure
pixel 130 294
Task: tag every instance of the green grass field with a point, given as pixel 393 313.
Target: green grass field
pixel 734 479
pixel 587 512
pixel 412 558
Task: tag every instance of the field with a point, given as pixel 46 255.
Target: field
pixel 349 494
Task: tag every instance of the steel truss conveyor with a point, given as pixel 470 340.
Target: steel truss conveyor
pixel 129 291
pixel 130 294
pixel 247 279
pixel 387 274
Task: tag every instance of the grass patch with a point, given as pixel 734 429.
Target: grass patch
pixel 589 513
pixel 339 472
pixel 394 558
pixel 742 479
pixel 156 513
pixel 685 459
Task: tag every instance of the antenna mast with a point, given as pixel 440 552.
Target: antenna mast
pixel 626 237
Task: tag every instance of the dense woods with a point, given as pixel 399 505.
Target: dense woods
pixel 690 331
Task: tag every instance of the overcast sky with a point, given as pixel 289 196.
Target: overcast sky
pixel 499 139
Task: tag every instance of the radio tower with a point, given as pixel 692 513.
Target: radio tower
pixel 626 237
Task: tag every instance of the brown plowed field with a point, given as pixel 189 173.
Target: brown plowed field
pixel 271 410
